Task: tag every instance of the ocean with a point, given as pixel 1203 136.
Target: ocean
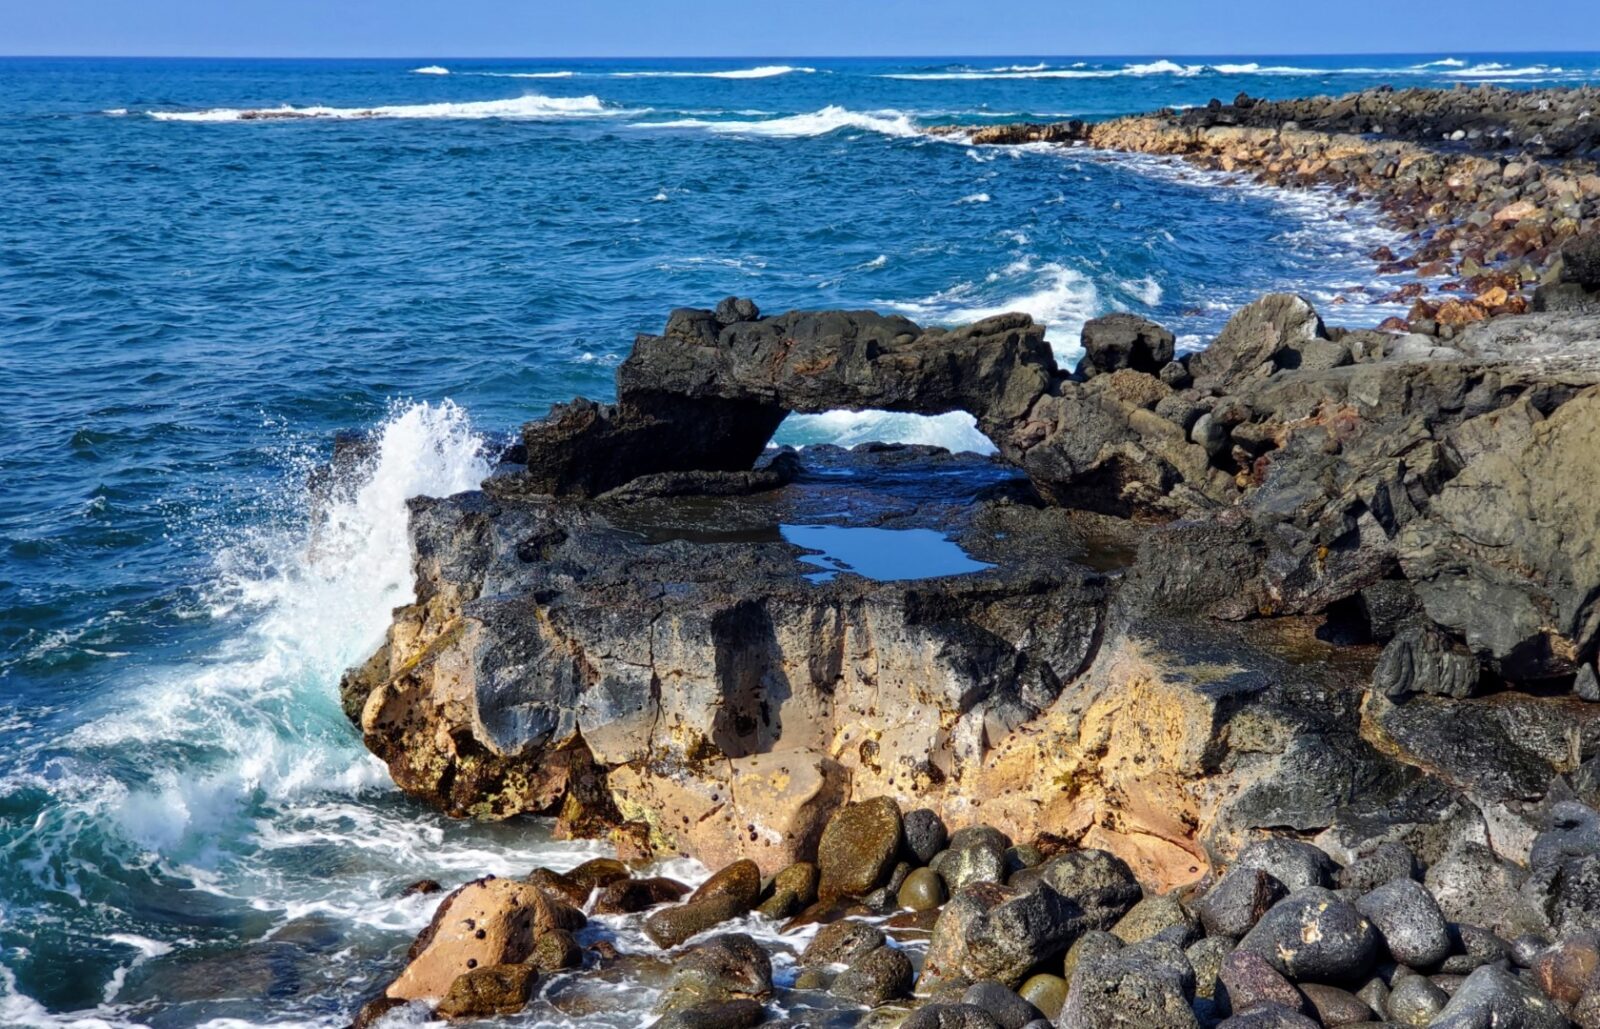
pixel 209 268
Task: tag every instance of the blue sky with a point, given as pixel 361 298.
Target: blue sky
pixel 630 28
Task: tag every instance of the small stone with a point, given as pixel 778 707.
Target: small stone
pixel 1092 944
pixel 925 835
pixel 1002 1004
pixel 923 890
pixel 1416 1001
pixel 975 854
pixel 1569 968
pixel 1154 915
pixel 1333 1006
pixel 1297 865
pixel 633 895
pixel 1046 992
pixel 1251 980
pixel 1133 987
pixel 842 943
pixel 1382 864
pixel 1236 903
pixel 1206 957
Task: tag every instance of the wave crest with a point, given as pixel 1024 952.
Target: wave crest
pixel 531 107
pixel 818 123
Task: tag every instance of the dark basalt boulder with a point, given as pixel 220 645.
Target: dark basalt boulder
pixel 1118 341
pixel 1314 935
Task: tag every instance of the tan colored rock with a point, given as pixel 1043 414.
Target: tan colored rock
pixel 1520 210
pixel 485 923
pixel 769 808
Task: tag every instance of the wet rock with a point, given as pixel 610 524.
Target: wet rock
pixel 923 890
pixel 1294 864
pixel 1003 1004
pixel 1124 341
pixel 1384 863
pixel 632 895
pixel 975 854
pixel 1251 981
pixel 556 951
pixel 1046 992
pixel 421 887
pixel 374 1011
pixel 597 873
pixel 728 894
pixel 1236 903
pixel 792 889
pixel 1314 935
pixel 1333 1007
pixel 885 898
pixel 730 967
pixel 484 924
pixel 883 975
pixel 858 847
pixel 989 931
pixel 485 992
pixel 1493 997
pixel 841 943
pixel 1131 988
pixel 733 1014
pixel 1416 1001
pixel 924 834
pixel 559 886
pixel 1410 922
pixel 1527 947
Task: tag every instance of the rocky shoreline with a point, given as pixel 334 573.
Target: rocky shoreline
pixel 1487 183
pixel 1250 687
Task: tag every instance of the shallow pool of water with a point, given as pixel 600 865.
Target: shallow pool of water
pixel 882 554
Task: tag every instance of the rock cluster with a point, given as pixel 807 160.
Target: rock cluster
pixel 1039 935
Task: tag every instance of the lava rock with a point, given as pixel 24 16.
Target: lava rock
pixel 1124 341
pixel 1156 915
pixel 1494 997
pixel 988 931
pixel 841 943
pixel 975 854
pixel 633 895
pixel 1384 863
pixel 725 968
pixel 925 835
pixel 881 976
pixel 733 1014
pixel 1415 1000
pixel 1409 919
pixel 949 1016
pixel 728 894
pixel 1002 1003
pixel 1236 903
pixel 1097 881
pixel 1333 1006
pixel 484 992
pixel 1131 988
pixel 1472 885
pixel 1312 934
pixel 1250 981
pixel 1294 864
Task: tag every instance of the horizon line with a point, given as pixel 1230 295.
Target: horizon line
pixel 760 57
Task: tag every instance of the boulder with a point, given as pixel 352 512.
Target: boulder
pixel 730 967
pixel 976 854
pixel 923 890
pixel 925 835
pixel 883 975
pixel 1472 885
pixel 1254 341
pixel 1101 884
pixel 1251 981
pixel 1410 922
pixel 1003 1004
pixel 1314 935
pixel 628 896
pixel 1131 988
pixel 791 890
pixel 486 992
pixel 858 847
pixel 1492 997
pixel 1415 1000
pixel 989 931
pixel 485 924
pixel 845 942
pixel 1237 901
pixel 1124 341
pixel 727 894
pixel 1294 864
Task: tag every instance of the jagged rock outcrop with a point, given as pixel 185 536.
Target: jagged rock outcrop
pixel 1259 587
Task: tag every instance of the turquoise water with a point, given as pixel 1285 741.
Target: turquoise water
pixel 195 298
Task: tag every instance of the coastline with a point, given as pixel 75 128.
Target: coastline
pixel 1279 678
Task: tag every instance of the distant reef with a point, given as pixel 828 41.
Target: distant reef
pixel 1254 686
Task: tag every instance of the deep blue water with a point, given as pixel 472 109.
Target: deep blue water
pixel 192 302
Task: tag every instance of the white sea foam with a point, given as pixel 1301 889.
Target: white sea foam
pixel 1493 69
pixel 975 198
pixel 430 69
pixel 1446 66
pixel 1146 290
pixel 767 71
pixel 818 123
pixel 1059 297
pixel 523 74
pixel 528 107
pixel 956 431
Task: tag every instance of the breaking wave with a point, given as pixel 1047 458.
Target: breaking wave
pixel 766 71
pixel 818 123
pixel 529 107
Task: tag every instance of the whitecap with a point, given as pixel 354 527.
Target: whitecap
pixel 975 198
pixel 767 71
pixel 1058 297
pixel 430 69
pixel 818 123
pixel 956 431
pixel 528 107
pixel 523 74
